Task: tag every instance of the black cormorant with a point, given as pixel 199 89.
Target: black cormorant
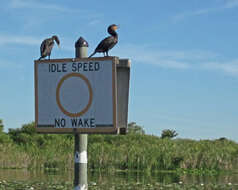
pixel 47 45
pixel 109 42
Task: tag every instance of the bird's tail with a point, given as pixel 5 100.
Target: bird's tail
pixel 92 54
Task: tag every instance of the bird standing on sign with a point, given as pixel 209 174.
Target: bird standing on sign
pixel 109 42
pixel 47 45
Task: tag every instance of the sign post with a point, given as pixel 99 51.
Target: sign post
pixel 81 141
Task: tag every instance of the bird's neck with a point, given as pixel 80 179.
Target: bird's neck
pixel 113 33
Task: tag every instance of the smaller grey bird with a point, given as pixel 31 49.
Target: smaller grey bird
pixel 47 45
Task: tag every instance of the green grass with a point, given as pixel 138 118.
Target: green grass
pixel 24 148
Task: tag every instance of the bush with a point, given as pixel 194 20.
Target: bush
pixel 167 133
pixel 1 126
pixel 133 128
pixel 4 138
pixel 23 135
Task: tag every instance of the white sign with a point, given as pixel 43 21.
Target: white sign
pixel 76 95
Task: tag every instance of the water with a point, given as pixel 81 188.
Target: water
pixel 122 179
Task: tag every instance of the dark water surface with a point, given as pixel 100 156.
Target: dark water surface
pixel 122 178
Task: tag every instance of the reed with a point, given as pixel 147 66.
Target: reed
pixel 24 148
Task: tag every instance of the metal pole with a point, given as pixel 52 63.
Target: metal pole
pixel 81 141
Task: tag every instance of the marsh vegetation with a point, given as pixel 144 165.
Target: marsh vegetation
pixel 136 152
pixel 24 148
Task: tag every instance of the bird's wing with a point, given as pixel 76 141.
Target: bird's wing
pixel 46 47
pixel 111 43
pixel 105 44
pixel 43 47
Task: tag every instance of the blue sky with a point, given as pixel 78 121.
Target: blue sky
pixel 184 72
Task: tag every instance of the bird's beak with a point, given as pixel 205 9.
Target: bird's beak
pixel 115 27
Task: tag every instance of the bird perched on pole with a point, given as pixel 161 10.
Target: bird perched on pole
pixel 109 42
pixel 47 45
